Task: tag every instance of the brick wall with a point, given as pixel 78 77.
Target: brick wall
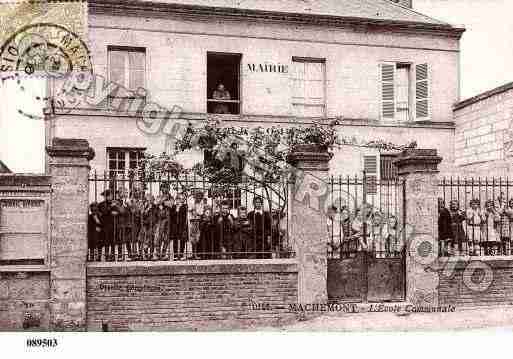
pixel 198 296
pixel 455 290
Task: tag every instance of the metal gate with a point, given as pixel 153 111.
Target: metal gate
pixel 366 256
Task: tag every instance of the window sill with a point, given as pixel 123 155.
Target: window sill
pixel 24 268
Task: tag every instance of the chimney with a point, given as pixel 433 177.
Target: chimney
pixel 405 3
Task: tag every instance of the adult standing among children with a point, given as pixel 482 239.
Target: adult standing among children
pixel 108 212
pixel 261 225
pixel 444 227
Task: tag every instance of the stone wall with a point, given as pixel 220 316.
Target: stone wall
pixel 484 133
pixel 24 301
pixel 25 294
pixel 186 295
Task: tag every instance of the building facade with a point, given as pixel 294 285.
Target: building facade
pixel 387 72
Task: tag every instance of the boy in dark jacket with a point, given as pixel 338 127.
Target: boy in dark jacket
pixel 94 233
pixel 261 229
pixel 225 229
pixel 242 238
pixel 178 225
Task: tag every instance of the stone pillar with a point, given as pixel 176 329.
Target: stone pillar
pixel 419 169
pixel 308 222
pixel 69 170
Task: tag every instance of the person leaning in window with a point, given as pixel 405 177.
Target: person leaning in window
pixel 220 93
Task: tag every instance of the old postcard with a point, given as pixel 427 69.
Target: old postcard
pixel 223 165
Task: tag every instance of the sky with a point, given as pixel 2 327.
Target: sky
pixel 486 55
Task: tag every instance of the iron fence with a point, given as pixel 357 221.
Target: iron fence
pixel 186 217
pixel 364 214
pixel 475 217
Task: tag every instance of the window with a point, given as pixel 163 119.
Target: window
pixel 127 67
pixel 388 168
pixel 398 93
pixel 308 87
pixel 223 80
pixel 122 160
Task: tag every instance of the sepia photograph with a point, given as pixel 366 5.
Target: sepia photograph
pixel 255 166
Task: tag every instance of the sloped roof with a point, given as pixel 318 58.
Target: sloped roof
pixel 319 12
pixel 366 9
pixel 4 168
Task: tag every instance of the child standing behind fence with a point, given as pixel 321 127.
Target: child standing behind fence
pixel 94 233
pixel 161 238
pixel 146 234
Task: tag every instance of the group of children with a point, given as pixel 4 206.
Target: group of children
pixel 142 227
pixel 476 231
pixel 366 229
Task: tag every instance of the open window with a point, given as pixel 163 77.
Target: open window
pixel 404 91
pixel 223 83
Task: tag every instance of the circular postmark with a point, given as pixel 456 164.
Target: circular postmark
pixel 52 52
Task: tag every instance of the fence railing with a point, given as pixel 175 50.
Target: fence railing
pixel 186 217
pixel 364 215
pixel 475 217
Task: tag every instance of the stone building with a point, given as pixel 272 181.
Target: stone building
pixel 390 73
pixel 484 133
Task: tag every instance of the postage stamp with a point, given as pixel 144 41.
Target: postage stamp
pixel 226 165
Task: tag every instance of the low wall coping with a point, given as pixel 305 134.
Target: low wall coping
pixel 461 262
pixel 192 267
pixel 25 181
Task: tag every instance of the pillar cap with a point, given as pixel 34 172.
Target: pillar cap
pixel 413 160
pixel 70 147
pixel 310 157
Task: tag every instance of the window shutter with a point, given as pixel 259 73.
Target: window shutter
pixel 370 166
pixel 388 169
pixel 421 92
pixel 387 90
